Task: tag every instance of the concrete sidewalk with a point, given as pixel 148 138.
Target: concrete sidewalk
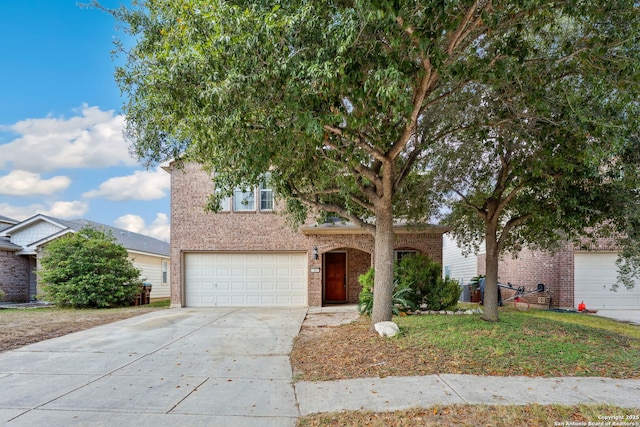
pixel 396 393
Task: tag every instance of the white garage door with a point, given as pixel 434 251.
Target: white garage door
pixel 245 279
pixel 594 275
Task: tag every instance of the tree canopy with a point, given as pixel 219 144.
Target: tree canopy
pixel 88 269
pixel 548 163
pixel 342 100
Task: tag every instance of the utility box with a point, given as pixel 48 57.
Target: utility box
pixel 465 295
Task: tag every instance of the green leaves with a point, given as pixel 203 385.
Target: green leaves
pixel 88 269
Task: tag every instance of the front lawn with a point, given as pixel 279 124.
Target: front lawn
pixel 481 415
pixel 531 343
pixel 23 326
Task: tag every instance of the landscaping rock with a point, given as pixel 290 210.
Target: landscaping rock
pixel 386 329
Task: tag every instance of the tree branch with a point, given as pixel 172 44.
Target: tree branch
pixel 510 225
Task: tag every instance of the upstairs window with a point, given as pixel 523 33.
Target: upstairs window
pixel 224 203
pixel 243 200
pixel 266 194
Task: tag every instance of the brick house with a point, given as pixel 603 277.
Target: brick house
pixel 248 255
pixel 22 242
pixel 14 272
pixel 570 275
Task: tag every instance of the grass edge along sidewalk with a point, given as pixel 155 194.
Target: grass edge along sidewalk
pixel 535 343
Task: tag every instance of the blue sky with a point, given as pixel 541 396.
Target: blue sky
pixel 61 147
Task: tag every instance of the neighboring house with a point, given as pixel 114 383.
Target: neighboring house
pixel 21 245
pixel 248 255
pixel 570 275
pixel 13 271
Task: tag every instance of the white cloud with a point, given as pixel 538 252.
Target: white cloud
pixel 67 209
pixel 23 183
pixel 142 185
pixel 135 223
pixel 62 210
pixel 92 139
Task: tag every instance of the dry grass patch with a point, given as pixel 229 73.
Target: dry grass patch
pixel 533 343
pixel 20 327
pixel 476 415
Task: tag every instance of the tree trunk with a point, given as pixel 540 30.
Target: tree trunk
pixel 383 264
pixel 491 278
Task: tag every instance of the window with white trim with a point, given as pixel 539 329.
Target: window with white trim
pixel 266 194
pixel 398 255
pixel 224 202
pixel 244 200
pixel 165 269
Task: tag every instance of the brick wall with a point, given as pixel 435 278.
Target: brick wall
pixel 14 276
pixel 194 229
pixel 555 270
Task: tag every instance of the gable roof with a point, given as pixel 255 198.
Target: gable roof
pixel 6 222
pixel 130 240
pixel 6 245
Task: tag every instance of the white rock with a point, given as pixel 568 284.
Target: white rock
pixel 386 329
pixel 468 312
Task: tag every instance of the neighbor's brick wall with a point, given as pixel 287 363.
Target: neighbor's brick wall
pixel 555 270
pixel 194 229
pixel 14 276
pixel 563 294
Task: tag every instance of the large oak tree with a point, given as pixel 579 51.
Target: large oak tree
pixel 339 99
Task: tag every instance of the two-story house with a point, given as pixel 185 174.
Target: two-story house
pixel 248 255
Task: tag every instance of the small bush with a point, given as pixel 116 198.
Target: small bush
pixel 401 300
pixel 417 280
pixel 88 269
pixel 424 276
pixel 1 295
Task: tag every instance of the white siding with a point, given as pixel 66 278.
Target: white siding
pixel 458 266
pixel 151 267
pixel 34 233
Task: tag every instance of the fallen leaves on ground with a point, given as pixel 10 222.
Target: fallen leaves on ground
pixel 353 351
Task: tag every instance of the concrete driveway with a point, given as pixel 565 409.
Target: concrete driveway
pixel 196 367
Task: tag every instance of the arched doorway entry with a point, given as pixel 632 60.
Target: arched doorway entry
pixel 342 267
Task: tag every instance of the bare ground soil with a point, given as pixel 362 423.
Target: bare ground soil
pixel 20 327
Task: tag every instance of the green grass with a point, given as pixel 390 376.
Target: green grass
pixel 533 343
pixel 161 304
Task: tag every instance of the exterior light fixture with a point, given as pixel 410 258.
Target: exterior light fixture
pixel 315 252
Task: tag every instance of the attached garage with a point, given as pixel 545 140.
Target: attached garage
pixel 594 274
pixel 229 279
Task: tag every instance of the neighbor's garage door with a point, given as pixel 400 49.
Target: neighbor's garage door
pixel 594 275
pixel 245 279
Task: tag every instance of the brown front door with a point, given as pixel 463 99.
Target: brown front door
pixel 335 277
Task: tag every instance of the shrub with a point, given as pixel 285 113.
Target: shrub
pixel 444 295
pixel 88 269
pixel 401 300
pixel 417 280
pixel 424 276
pixel 1 295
